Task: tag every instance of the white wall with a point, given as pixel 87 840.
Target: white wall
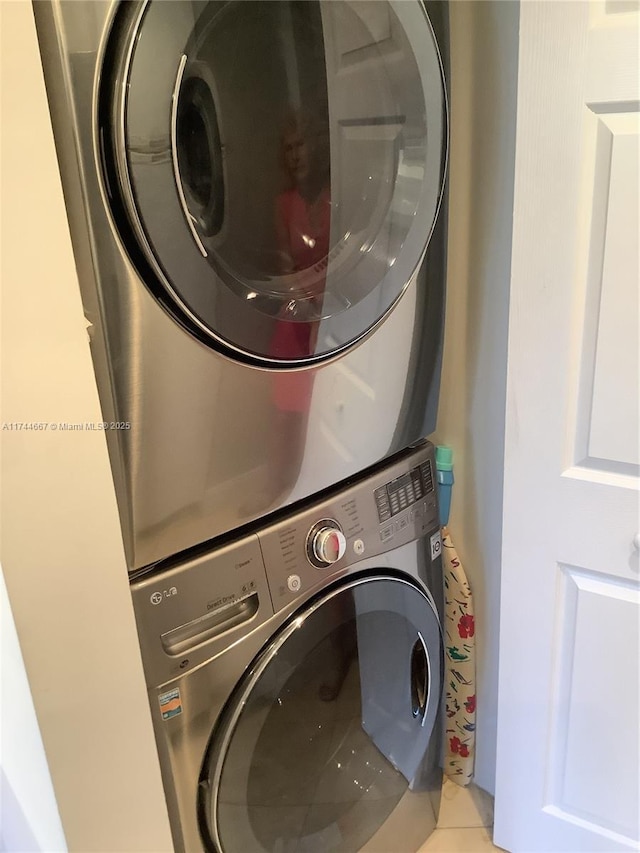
pixel 61 551
pixel 29 818
pixel 484 46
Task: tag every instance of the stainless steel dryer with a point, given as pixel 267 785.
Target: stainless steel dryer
pixel 295 675
pixel 255 194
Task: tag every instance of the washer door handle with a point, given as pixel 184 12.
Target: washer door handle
pixel 419 679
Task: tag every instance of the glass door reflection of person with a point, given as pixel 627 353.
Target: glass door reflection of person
pixel 303 225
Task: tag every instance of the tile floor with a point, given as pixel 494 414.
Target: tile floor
pixel 465 824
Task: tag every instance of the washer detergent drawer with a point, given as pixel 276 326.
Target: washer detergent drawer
pixel 195 610
pixel 329 730
pixel 211 625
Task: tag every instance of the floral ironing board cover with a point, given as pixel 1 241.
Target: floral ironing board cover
pixel 460 668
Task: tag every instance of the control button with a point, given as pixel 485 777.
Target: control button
pixel 358 547
pixel 382 504
pixel 402 523
pixel 427 477
pixel 387 533
pixel 294 583
pixel 329 545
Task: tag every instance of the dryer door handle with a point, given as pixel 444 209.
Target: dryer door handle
pixel 420 679
pixel 176 162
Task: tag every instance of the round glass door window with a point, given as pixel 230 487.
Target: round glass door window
pixel 330 728
pixel 279 164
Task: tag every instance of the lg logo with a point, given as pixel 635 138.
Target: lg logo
pixel 436 545
pixel 157 596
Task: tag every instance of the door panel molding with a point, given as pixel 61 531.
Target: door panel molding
pixel 594 611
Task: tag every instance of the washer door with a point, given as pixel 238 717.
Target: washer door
pixel 279 165
pixel 330 727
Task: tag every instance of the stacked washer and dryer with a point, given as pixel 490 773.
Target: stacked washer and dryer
pixel 256 196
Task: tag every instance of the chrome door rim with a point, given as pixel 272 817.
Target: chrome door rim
pixel 125 184
pixel 247 683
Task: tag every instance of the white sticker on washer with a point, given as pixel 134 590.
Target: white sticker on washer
pixel 436 545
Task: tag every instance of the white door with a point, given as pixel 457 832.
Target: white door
pixel 568 763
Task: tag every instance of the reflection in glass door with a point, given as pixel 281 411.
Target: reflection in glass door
pixel 281 163
pixel 330 731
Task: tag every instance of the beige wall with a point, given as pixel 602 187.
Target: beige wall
pixel 61 550
pixel 484 45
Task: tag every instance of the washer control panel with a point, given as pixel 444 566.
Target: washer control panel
pixel 196 608
pixel 394 497
pixel 381 512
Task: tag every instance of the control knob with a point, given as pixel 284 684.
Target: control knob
pixel 326 544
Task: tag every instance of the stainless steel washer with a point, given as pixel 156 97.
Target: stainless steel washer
pixel 256 196
pixel 295 675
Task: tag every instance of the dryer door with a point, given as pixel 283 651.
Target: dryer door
pixel 330 727
pixel 276 168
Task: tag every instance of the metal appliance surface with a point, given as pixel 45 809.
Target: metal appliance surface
pixel 256 197
pixel 295 674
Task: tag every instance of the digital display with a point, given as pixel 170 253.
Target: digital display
pixel 404 491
